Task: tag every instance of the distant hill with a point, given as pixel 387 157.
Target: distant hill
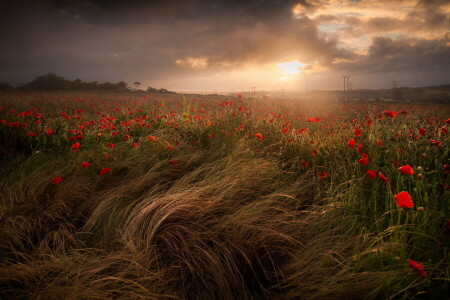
pixel 53 82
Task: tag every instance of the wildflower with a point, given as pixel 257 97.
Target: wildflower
pixel 417 267
pixel 406 169
pixel 304 164
pixel 364 160
pixel 111 145
pixel 390 113
pixel 49 131
pixel 75 147
pixel 32 134
pixel 372 174
pixel 57 180
pixel 447 169
pixel 379 143
pixel 358 132
pixel 85 164
pixel 314 152
pixel 384 178
pixel 151 138
pixel 360 148
pixel 404 200
pixel 173 162
pixel 351 143
pixel 437 144
pixel 104 171
pixel 322 175
pixel 259 136
pixel 170 147
pixel 422 131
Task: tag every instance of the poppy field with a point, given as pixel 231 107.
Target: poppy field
pixel 120 195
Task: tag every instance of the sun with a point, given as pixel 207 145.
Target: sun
pixel 287 70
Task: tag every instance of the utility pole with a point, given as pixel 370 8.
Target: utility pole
pixel 396 92
pixel 350 84
pixel 346 86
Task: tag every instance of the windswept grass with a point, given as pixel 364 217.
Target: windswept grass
pixel 222 215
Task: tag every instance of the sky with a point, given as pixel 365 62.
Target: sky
pixel 195 45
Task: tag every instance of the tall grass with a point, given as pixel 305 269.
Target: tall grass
pixel 234 217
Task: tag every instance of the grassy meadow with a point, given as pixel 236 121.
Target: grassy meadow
pixel 119 195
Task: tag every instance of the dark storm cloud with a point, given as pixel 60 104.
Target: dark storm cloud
pixel 160 40
pixel 115 40
pixel 386 54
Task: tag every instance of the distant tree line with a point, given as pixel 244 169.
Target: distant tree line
pixel 159 91
pixel 51 82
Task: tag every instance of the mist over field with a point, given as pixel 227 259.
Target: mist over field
pixel 225 149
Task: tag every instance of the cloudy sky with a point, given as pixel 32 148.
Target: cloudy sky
pixel 223 45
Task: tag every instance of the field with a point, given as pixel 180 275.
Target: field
pixel 119 195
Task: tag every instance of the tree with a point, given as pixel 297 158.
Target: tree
pixel 49 82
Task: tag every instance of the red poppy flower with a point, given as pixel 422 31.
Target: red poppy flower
pixel 75 147
pixel 170 147
pixel 314 152
pixel 417 267
pixel 447 169
pixel 304 164
pixel 379 143
pixel 371 174
pixel 444 130
pixel 322 175
pixel 360 148
pixel 135 145
pixel 364 161
pixel 173 162
pixel 111 145
pixel 358 132
pixel 404 200
pixel 104 171
pixel 259 136
pixel 390 113
pixel 406 169
pixel 351 143
pixel 384 178
pixel 447 121
pixel 57 180
pixel 396 163
pixel 422 131
pixel 32 134
pixel 85 165
pixel 151 138
pixel 49 131
pixel 435 143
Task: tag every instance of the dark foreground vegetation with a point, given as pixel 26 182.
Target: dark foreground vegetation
pixel 119 196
